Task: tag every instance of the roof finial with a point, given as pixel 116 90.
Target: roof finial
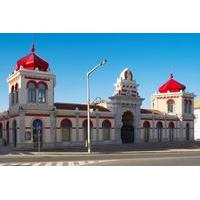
pixel 171 76
pixel 33 46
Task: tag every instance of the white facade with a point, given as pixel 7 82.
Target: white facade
pixel 197 119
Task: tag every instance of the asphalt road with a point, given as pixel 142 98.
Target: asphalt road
pixel 132 158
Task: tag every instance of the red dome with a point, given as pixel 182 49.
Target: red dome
pixel 31 62
pixel 172 86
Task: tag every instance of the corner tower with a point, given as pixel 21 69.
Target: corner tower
pixel 31 102
pixel 32 83
pixel 173 99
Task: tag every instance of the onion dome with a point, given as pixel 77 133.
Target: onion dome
pixel 171 86
pixel 32 61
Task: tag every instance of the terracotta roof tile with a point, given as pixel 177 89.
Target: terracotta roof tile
pixel 72 106
pixel 151 111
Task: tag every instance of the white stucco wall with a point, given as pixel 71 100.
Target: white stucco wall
pixel 197 124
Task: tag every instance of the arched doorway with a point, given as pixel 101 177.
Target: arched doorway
pixel 106 129
pixel 37 133
pixel 14 130
pixel 187 131
pixel 146 127
pixel 1 131
pixel 66 129
pixel 127 130
pixel 7 134
pixel 171 131
pixel 159 127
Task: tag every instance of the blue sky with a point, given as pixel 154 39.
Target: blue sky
pixel 151 57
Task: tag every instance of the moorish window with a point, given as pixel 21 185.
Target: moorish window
pixel 12 96
pixel 31 92
pixel 170 106
pixel 16 94
pixel 189 106
pixel 106 128
pixel 41 93
pixel 66 128
pixel 186 106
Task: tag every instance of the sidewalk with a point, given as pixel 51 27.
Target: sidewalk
pixel 106 149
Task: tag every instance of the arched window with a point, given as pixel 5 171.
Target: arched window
pixel 159 127
pixel 171 131
pixel 37 132
pixel 188 131
pixel 16 94
pixel 66 127
pixel 185 106
pixel 85 128
pixel 31 92
pixel 190 106
pixel 41 93
pixel 1 131
pixel 12 96
pixel 170 105
pixel 146 127
pixel 106 127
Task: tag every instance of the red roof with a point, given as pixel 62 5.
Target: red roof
pixel 83 107
pixel 151 111
pixel 31 62
pixel 172 86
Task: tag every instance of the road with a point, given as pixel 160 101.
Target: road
pixel 132 158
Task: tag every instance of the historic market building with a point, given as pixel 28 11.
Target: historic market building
pixel 33 118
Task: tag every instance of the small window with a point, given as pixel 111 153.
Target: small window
pixel 12 96
pixel 189 106
pixel 42 93
pixel 170 106
pixel 186 106
pixel 31 92
pixel 16 94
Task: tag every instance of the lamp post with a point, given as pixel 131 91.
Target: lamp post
pixel 103 62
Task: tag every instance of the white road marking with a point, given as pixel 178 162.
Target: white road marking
pixel 59 164
pixel 91 162
pixel 25 164
pixel 81 162
pixel 71 163
pixel 48 164
pixel 37 164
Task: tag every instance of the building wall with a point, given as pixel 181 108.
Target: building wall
pixel 197 124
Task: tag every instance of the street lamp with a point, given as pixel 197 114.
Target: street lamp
pixel 103 62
